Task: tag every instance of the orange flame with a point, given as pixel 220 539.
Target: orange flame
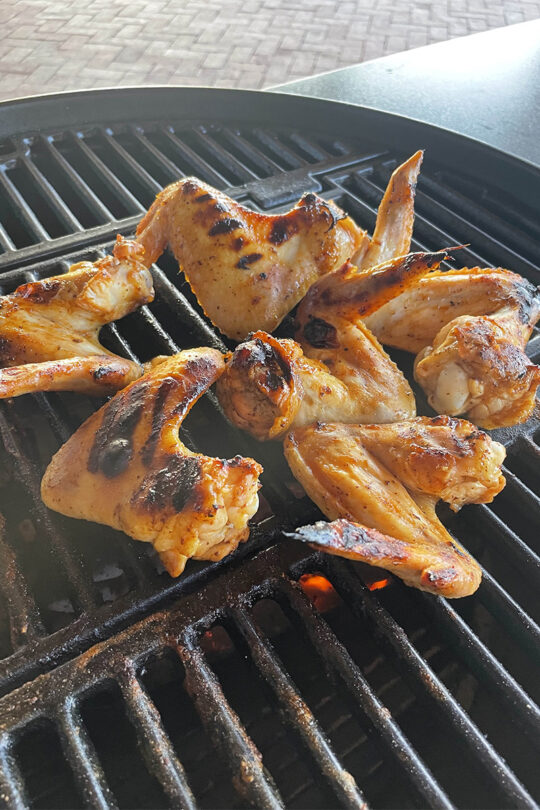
pixel 378 584
pixel 319 591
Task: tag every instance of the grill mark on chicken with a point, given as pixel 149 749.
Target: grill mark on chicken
pixel 251 258
pixel 112 448
pixel 176 483
pixel 203 197
pixel 238 243
pixel 201 371
pixel 282 230
pixel 320 334
pixel 224 226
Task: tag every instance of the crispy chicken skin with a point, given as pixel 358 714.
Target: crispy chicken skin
pixel 338 370
pixel 469 328
pixel 127 468
pixel 386 480
pixel 49 329
pixel 247 269
pixel 395 217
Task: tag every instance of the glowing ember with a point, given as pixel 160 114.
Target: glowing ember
pixel 319 591
pixel 378 584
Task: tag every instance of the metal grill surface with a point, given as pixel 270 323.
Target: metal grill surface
pixel 399 698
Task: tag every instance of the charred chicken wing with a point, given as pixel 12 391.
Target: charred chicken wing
pixel 338 371
pixel 469 328
pixel 385 481
pixel 247 269
pixel 127 468
pixel 49 330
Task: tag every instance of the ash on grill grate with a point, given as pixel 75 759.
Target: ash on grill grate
pixel 266 700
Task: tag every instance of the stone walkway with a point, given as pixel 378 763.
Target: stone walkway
pixel 49 45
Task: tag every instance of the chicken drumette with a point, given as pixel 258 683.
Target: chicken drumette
pixel 126 467
pixel 337 371
pixel 469 328
pixel 49 330
pixel 385 481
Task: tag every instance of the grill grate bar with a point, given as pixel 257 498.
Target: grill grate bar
pixel 23 210
pixel 238 751
pixel 483 663
pixel 5 242
pixel 183 309
pixel 512 546
pixel 279 148
pixel 141 173
pixel 114 184
pixel 64 214
pixel 210 174
pixel 475 213
pixel 31 481
pixel 24 621
pixel 96 206
pixel 297 711
pixel 11 782
pixel 396 744
pixel 83 759
pixel 518 623
pixel 265 164
pixel 239 170
pixel 426 684
pixel 146 144
pixel 522 497
pixel 156 746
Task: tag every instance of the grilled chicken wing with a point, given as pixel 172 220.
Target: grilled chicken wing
pixel 247 269
pixel 470 327
pixel 387 479
pixel 49 329
pixel 395 218
pixel 338 371
pixel 126 467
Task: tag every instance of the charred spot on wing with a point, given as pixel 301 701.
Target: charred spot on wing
pixel 238 243
pixel 320 334
pixel 190 186
pixel 174 484
pixel 440 578
pixel 40 292
pixel 121 417
pixel 203 198
pixel 282 230
pixel 224 226
pixel 103 373
pixel 250 258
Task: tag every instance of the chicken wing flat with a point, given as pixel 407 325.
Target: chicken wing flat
pixel 338 371
pixel 470 328
pixel 247 269
pixel 386 480
pixel 127 468
pixel 49 329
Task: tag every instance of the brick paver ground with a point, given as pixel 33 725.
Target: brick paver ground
pixel 48 45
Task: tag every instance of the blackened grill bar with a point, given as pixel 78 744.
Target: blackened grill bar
pixel 66 193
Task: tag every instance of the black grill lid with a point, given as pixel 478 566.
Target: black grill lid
pixel 392 679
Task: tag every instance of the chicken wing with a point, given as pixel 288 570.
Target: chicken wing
pixel 338 371
pixel 395 218
pixel 247 269
pixel 470 327
pixel 126 467
pixel 49 329
pixel 387 479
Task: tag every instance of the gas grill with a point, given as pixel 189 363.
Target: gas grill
pixel 278 677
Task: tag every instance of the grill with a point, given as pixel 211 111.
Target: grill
pixel 278 677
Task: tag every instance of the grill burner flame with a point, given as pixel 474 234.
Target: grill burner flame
pixel 320 592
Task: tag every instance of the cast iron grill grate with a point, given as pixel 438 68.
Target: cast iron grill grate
pixel 382 679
